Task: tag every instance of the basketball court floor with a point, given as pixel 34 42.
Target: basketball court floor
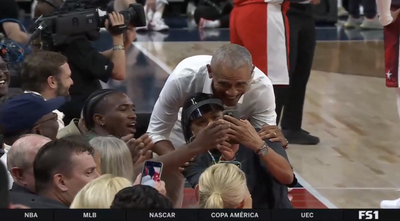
pixel 357 163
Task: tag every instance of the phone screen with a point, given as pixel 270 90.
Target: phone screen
pixel 151 173
pixel 232 113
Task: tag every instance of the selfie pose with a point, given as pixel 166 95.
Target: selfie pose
pixel 264 163
pixel 231 76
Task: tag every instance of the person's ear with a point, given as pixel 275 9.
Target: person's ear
pixel 51 81
pixel 16 173
pixel 36 130
pixel 241 205
pixel 59 182
pixel 197 193
pixel 210 75
pixel 98 119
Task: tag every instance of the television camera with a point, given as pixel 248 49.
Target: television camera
pixel 80 18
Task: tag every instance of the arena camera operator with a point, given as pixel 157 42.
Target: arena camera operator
pixel 88 66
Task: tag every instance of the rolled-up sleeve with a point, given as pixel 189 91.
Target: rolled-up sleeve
pixel 165 112
pixel 265 107
pixel 383 7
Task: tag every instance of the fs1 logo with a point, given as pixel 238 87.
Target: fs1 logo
pixel 368 215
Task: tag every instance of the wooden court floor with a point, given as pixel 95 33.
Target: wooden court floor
pixel 357 163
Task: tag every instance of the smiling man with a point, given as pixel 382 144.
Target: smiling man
pixel 4 78
pixel 230 75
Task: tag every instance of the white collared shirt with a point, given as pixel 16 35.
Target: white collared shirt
pixel 191 76
pixel 60 115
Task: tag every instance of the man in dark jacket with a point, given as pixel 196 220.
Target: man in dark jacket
pixel 265 163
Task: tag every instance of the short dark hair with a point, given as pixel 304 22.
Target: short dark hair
pixel 39 66
pixel 55 157
pixel 140 197
pixel 4 190
pixel 91 105
pixel 45 9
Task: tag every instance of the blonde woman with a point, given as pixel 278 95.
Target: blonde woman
pixel 223 186
pixel 115 157
pixel 99 193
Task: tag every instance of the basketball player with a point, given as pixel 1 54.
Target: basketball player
pixel 262 27
pixel 389 11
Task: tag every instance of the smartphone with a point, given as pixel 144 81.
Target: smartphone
pixel 237 163
pixel 151 173
pixel 232 113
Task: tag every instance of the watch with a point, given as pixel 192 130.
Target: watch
pixel 263 150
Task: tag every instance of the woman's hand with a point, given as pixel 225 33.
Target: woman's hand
pixel 244 133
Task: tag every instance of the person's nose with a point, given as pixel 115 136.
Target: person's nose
pixel 132 115
pixel 232 92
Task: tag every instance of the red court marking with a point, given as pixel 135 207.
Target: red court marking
pixel 302 199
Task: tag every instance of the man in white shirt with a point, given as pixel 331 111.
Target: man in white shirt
pixel 230 75
pixel 389 11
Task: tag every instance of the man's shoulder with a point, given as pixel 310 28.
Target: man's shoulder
pixel 260 78
pixel 191 66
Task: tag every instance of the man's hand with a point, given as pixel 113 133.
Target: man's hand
pixel 243 132
pixel 228 151
pixel 140 147
pixel 315 2
pixel 115 23
pixel 129 37
pixel 274 134
pixel 182 168
pixel 213 135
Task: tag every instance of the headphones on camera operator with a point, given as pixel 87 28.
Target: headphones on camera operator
pixel 76 19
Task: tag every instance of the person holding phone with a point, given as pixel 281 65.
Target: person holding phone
pixel 265 163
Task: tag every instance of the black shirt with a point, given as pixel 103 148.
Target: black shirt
pixel 265 190
pixel 8 9
pixel 88 66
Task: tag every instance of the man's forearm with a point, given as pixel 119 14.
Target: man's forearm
pixel 172 160
pixel 163 147
pixel 276 164
pixel 20 37
pixel 118 57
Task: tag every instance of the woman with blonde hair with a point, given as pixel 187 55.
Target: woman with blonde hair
pixel 100 192
pixel 115 157
pixel 223 186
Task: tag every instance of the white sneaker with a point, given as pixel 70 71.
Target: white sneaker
pixel 342 12
pixel 371 24
pixel 390 204
pixel 158 25
pixel 352 22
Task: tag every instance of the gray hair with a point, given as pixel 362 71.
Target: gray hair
pixel 115 156
pixel 232 56
pixel 18 156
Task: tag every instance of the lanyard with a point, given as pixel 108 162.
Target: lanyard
pixel 212 158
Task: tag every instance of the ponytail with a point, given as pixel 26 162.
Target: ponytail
pixel 214 201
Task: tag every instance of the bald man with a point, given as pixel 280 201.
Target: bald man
pixel 231 76
pixel 20 163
